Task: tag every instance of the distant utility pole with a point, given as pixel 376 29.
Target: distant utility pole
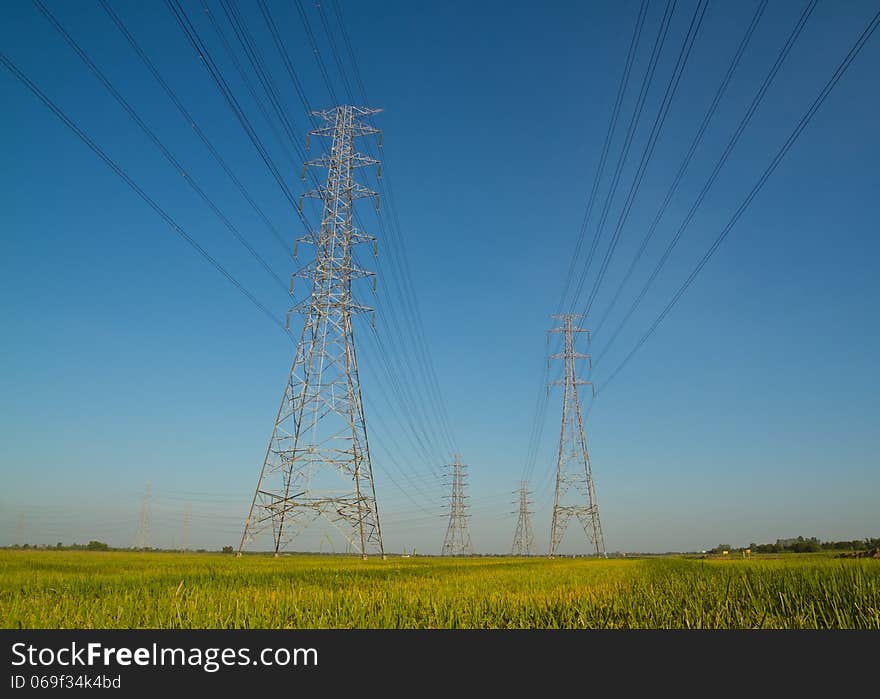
pixel 318 460
pixel 575 492
pixel 184 533
pixel 19 532
pixel 142 540
pixel 523 538
pixel 458 538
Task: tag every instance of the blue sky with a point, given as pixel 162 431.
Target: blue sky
pixel 750 414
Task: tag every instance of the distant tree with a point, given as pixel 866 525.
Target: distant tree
pixel 97 546
pixel 228 549
pixel 813 544
pixel 766 548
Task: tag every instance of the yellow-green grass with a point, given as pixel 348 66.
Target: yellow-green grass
pixel 62 589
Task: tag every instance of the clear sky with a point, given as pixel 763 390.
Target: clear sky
pixel 750 414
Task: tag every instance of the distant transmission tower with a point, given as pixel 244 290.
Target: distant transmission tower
pixel 523 538
pixel 458 538
pixel 184 533
pixel 575 492
pixel 19 532
pixel 142 541
pixel 318 460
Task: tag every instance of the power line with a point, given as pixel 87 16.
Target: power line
pixel 750 111
pixel 403 339
pixel 248 83
pixel 412 312
pixel 255 58
pixel 317 53
pixel 648 78
pixel 256 61
pixel 609 136
pixel 246 41
pixel 339 66
pixel 805 119
pixel 386 187
pixel 158 143
pixel 541 407
pixel 204 56
pixel 285 56
pixel 341 22
pixel 417 409
pixel 656 128
pixel 187 116
pixel 539 415
pixel 414 409
pixel 27 82
pixel 686 162
pixel 404 409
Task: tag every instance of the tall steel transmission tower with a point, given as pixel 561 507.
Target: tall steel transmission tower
pixel 575 492
pixel 523 537
pixel 458 538
pixel 318 463
pixel 142 540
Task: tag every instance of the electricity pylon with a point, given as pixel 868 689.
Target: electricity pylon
pixel 318 460
pixel 142 540
pixel 184 531
pixel 575 492
pixel 458 538
pixel 523 538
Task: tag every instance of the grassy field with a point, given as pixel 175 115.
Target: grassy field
pixel 60 589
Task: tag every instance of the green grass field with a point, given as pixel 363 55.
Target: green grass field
pixel 62 589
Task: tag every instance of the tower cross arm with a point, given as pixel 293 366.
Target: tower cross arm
pixel 357 160
pixel 358 191
pixel 576 382
pixel 358 237
pixel 573 355
pixel 563 330
pixel 330 114
pixel 358 128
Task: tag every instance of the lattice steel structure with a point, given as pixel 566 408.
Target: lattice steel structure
pixel 19 531
pixel 523 537
pixel 184 530
pixel 142 538
pixel 458 538
pixel 318 463
pixel 575 493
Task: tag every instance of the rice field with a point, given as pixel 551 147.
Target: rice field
pixel 78 589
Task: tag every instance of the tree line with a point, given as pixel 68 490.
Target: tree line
pixel 802 544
